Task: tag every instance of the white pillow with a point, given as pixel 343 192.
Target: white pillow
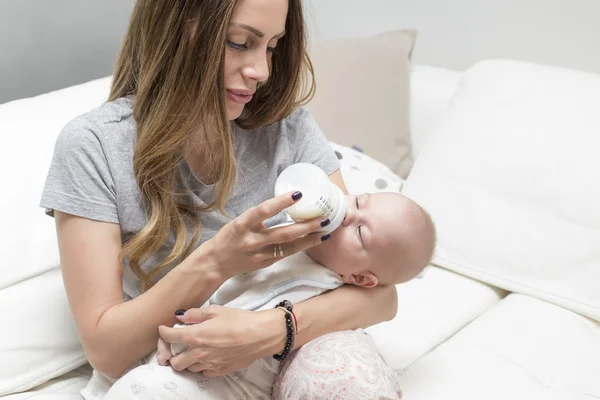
pixel 364 174
pixel 430 90
pixel 30 127
pixel 38 340
pixel 511 177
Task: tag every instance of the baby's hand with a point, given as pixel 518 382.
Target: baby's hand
pixel 163 354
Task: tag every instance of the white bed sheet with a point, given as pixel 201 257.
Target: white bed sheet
pixel 66 387
pixel 431 309
pixel 522 349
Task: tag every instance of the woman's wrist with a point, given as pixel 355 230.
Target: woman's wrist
pixel 274 328
pixel 203 262
pixel 274 325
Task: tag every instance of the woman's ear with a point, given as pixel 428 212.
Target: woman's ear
pixel 363 279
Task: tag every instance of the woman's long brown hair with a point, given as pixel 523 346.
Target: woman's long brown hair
pixel 172 62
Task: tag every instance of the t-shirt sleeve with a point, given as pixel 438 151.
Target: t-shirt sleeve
pixel 309 145
pixel 79 181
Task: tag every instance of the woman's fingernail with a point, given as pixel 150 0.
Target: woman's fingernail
pixel 324 223
pixel 296 196
pixel 180 312
pixel 326 237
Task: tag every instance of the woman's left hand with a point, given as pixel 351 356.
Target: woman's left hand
pixel 222 340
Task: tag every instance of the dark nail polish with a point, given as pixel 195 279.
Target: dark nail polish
pixel 326 237
pixel 324 223
pixel 296 196
pixel 179 313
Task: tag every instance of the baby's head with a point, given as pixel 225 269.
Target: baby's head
pixel 386 238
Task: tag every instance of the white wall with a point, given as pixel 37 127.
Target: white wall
pixel 50 44
pixel 456 33
pixel 45 45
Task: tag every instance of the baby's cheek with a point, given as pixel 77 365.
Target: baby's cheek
pixel 340 252
pixel 343 240
pixel 343 243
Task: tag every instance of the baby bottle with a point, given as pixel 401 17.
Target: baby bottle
pixel 320 196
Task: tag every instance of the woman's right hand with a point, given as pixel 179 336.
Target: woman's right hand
pixel 221 340
pixel 245 244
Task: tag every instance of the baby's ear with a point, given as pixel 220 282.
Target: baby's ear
pixel 364 279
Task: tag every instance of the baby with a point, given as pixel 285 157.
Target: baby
pixel 385 239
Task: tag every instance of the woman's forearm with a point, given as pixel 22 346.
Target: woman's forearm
pixel 346 308
pixel 129 331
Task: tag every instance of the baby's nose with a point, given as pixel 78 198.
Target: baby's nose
pixel 350 215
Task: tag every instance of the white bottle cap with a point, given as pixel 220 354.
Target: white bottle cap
pixel 337 220
pixel 321 197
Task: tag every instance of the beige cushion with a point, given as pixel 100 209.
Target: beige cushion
pixel 362 96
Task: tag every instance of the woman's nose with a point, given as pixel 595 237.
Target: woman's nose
pixel 258 68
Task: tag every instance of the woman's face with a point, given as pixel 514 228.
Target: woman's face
pixel 256 27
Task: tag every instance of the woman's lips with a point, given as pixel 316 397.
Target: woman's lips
pixel 240 96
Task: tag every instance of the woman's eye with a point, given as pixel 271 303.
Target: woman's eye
pixel 237 46
pixel 356 201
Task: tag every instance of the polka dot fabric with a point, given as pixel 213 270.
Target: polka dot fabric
pixel 364 174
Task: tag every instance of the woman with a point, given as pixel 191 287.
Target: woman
pixel 160 196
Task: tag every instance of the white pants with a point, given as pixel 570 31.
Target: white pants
pixel 153 381
pixel 340 365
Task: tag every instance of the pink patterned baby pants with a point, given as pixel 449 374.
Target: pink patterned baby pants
pixel 341 366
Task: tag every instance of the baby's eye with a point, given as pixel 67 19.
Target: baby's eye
pixel 356 201
pixel 359 231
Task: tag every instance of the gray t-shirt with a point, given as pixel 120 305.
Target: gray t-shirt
pixel 91 174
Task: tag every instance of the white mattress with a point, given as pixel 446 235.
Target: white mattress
pixel 66 387
pixel 430 310
pixel 523 348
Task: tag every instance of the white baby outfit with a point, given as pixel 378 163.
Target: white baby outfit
pixel 294 278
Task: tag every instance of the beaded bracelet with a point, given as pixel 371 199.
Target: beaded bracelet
pixel 291 329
